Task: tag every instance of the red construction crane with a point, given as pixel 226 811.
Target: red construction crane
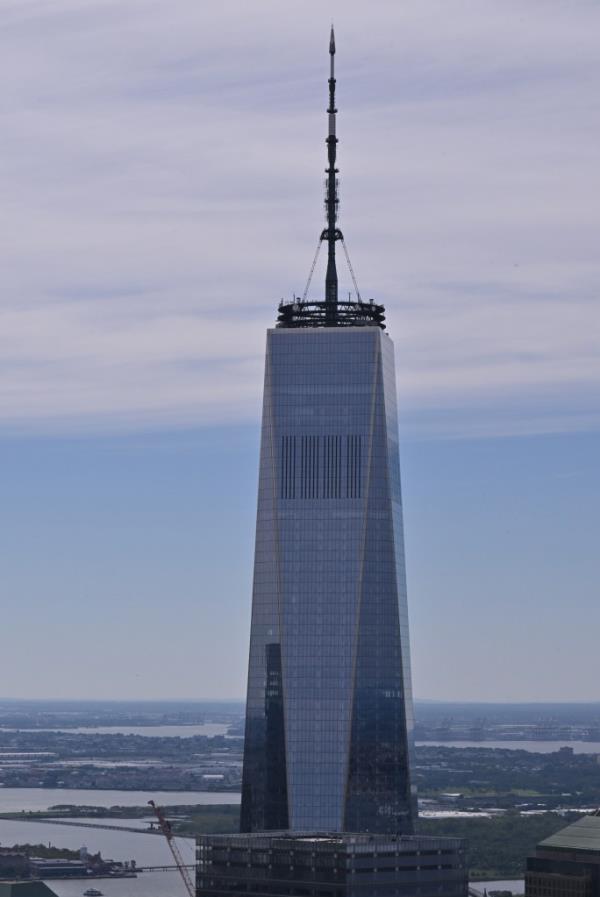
pixel 165 827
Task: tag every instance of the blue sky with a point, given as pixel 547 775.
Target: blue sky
pixel 128 559
pixel 161 180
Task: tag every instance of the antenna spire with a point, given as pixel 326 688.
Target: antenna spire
pixel 304 312
pixel 331 233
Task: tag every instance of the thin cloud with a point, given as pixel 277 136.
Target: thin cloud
pixel 161 182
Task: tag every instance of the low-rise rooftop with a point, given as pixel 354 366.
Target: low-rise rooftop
pixel 25 889
pixel 584 834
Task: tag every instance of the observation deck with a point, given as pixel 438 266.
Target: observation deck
pixel 328 314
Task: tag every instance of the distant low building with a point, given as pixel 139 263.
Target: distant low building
pixel 13 864
pixel 567 864
pixel 41 867
pixel 282 864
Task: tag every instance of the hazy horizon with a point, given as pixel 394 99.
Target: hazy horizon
pixel 191 702
pixel 162 190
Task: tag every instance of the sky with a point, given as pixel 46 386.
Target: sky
pixel 161 181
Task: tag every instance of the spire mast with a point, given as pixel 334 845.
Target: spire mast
pixel 331 232
pixel 333 312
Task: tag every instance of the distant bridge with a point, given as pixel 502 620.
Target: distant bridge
pixel 163 868
pixel 73 821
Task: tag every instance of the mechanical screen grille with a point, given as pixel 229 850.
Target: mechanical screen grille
pixel 320 467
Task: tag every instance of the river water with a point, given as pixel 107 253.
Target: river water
pixel 536 747
pixel 517 886
pixel 15 799
pixel 212 729
pixel 209 729
pixel 146 850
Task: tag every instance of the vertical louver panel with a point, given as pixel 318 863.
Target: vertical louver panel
pixel 311 467
pixel 332 479
pixel 314 466
pixel 353 466
pixel 329 467
pixel 288 467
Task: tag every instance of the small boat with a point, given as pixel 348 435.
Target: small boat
pixel 92 892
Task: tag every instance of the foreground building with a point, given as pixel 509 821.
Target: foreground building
pixel 25 889
pixel 325 865
pixel 329 720
pixel 567 864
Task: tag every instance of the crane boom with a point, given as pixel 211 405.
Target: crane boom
pixel 165 827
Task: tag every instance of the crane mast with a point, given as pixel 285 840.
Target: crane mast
pixel 165 827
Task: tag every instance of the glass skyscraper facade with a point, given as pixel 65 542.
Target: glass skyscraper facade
pixel 329 726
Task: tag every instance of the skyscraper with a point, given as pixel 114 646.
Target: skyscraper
pixel 329 708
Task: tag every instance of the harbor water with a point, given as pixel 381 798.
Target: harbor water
pixel 534 747
pixel 14 800
pixel 146 850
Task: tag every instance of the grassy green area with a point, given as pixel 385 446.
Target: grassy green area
pixel 44 850
pixel 526 792
pixel 218 820
pixel 498 846
pixel 479 792
pixel 436 793
pixel 67 811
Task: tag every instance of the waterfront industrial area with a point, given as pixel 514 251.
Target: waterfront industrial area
pixel 197 750
pixel 74 778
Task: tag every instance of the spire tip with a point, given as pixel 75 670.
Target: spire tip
pixel 332 41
